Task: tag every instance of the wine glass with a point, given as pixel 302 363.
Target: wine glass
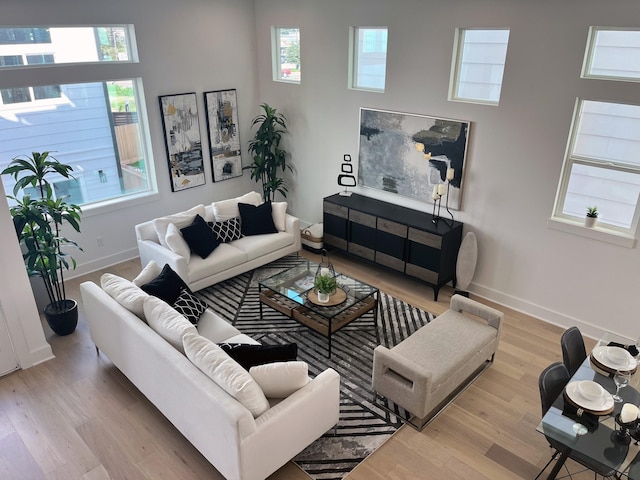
pixel 621 379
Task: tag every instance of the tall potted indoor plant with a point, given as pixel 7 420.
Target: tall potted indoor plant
pixel 38 218
pixel 267 155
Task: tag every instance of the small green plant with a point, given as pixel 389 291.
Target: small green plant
pixel 592 212
pixel 325 284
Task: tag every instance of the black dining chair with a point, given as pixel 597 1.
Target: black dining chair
pixel 573 351
pixel 551 383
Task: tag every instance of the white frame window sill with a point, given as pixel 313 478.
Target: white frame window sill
pixel 596 233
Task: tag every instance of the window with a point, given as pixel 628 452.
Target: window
pixel 478 66
pixel 612 54
pixel 10 60
pixel 97 127
pixel 286 54
pixel 602 167
pixel 42 46
pixel 368 58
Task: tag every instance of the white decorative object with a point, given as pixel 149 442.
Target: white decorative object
pixel 466 263
pixel 323 297
pixel 628 413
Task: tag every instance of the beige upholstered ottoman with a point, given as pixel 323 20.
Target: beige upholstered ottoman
pixel 424 372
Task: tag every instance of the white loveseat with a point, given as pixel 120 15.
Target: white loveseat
pixel 228 259
pixel 238 445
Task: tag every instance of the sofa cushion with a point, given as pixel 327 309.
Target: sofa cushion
pixel 227 231
pixel 222 258
pixel 126 293
pixel 166 286
pixel 219 366
pixel 228 209
pixel 279 380
pixel 176 242
pixel 180 220
pixel 189 306
pixel 256 220
pixel 279 213
pixel 256 246
pixel 251 355
pixel 167 322
pixel 200 237
pixel 150 271
pixel 215 328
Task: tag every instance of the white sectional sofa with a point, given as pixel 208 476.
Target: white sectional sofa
pixel 227 260
pixel 222 428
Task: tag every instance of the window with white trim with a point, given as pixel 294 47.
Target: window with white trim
pixel 368 58
pixel 602 166
pixel 285 45
pixel 612 54
pixel 97 127
pixel 478 65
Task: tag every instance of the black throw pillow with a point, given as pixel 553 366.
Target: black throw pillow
pixel 251 355
pixel 200 237
pixel 166 286
pixel 256 220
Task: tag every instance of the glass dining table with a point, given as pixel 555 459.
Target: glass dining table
pixel 601 442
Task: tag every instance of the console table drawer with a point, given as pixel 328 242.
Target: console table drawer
pixel 340 243
pixel 425 238
pixel 422 273
pixel 362 218
pixel 361 251
pixel 337 210
pixel 389 261
pixel 392 227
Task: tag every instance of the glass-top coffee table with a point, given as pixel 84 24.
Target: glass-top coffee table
pixel 289 292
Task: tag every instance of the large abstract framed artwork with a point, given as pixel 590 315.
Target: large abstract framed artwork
pixel 224 138
pixel 182 139
pixel 409 154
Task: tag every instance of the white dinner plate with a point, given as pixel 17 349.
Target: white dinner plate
pixel 601 355
pixel 601 404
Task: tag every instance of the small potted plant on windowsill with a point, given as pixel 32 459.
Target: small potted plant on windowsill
pixel 325 286
pixel 592 217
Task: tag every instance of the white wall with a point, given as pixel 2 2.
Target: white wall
pixel 515 150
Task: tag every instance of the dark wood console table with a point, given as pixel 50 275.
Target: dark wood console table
pixel 396 237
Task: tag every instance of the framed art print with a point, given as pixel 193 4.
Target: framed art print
pixel 409 154
pixel 224 138
pixel 182 139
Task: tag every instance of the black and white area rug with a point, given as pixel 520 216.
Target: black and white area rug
pixel 363 425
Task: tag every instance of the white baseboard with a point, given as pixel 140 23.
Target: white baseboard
pixel 104 262
pixel 537 311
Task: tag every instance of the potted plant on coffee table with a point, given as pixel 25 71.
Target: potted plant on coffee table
pixel 325 286
pixel 267 155
pixel 38 218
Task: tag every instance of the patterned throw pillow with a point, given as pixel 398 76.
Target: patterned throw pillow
pixel 227 231
pixel 190 306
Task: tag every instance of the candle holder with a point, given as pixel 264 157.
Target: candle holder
pixel 622 435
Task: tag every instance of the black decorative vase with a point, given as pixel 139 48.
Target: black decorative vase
pixel 62 316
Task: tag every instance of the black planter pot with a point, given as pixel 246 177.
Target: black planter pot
pixel 62 316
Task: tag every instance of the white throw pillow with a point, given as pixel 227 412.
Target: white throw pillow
pixel 180 220
pixel 279 213
pixel 228 209
pixel 280 379
pixel 226 372
pixel 126 293
pixel 167 323
pixel 148 273
pixel 176 242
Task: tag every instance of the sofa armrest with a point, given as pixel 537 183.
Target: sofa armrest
pixel 150 250
pixel 292 425
pixel 292 226
pixel 460 303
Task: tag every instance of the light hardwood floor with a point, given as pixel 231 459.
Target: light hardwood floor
pixel 78 417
